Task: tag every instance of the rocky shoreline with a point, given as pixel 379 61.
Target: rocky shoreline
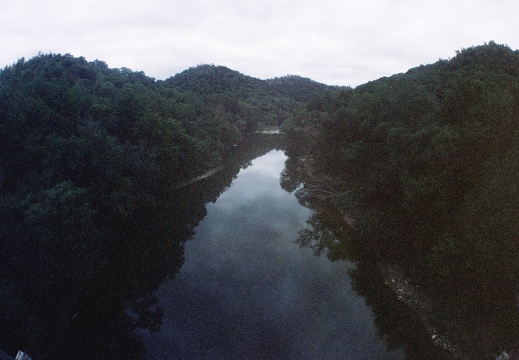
pixel 445 333
pixel 413 297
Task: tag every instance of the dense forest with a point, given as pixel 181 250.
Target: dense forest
pixel 425 166
pixel 253 103
pixel 91 159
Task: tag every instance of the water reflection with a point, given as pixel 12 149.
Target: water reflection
pixel 86 306
pixel 328 234
pixel 247 290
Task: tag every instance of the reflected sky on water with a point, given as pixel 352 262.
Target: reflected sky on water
pixel 248 291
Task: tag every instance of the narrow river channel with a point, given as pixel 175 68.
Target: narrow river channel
pixel 248 291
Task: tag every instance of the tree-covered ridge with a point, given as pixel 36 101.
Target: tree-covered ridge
pixel 427 165
pixel 87 154
pixel 55 101
pixel 90 160
pixel 209 79
pixel 298 87
pixel 252 102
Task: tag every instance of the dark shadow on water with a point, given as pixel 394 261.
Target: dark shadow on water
pixel 93 315
pixel 327 234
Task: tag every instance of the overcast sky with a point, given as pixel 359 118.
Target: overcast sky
pixel 337 42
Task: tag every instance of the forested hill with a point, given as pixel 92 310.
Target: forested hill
pixel 182 125
pixel 298 87
pixel 260 102
pixel 207 79
pixel 88 155
pixel 426 164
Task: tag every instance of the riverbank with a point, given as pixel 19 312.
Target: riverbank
pixel 407 292
pixel 413 297
pixel 205 175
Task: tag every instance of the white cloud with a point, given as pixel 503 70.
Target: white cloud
pixel 336 42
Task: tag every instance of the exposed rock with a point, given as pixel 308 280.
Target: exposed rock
pixel 411 295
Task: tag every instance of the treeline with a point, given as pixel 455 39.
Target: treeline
pixel 87 155
pixel 253 103
pixel 426 165
pixel 89 160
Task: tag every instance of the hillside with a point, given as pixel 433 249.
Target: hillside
pixel 298 87
pixel 423 166
pixel 426 165
pixel 91 158
pixel 259 102
pixel 210 79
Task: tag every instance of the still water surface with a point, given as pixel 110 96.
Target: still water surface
pixel 248 291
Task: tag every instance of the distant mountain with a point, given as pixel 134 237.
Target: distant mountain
pixel 255 101
pixel 298 87
pixel 209 79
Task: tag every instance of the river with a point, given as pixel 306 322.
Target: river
pixel 226 268
pixel 247 290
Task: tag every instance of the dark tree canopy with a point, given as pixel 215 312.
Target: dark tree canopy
pixel 88 155
pixel 427 164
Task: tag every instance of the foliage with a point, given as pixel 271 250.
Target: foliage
pixel 424 163
pixel 90 158
pixel 249 102
pixel 429 162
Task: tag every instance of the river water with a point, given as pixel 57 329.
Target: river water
pixel 247 290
